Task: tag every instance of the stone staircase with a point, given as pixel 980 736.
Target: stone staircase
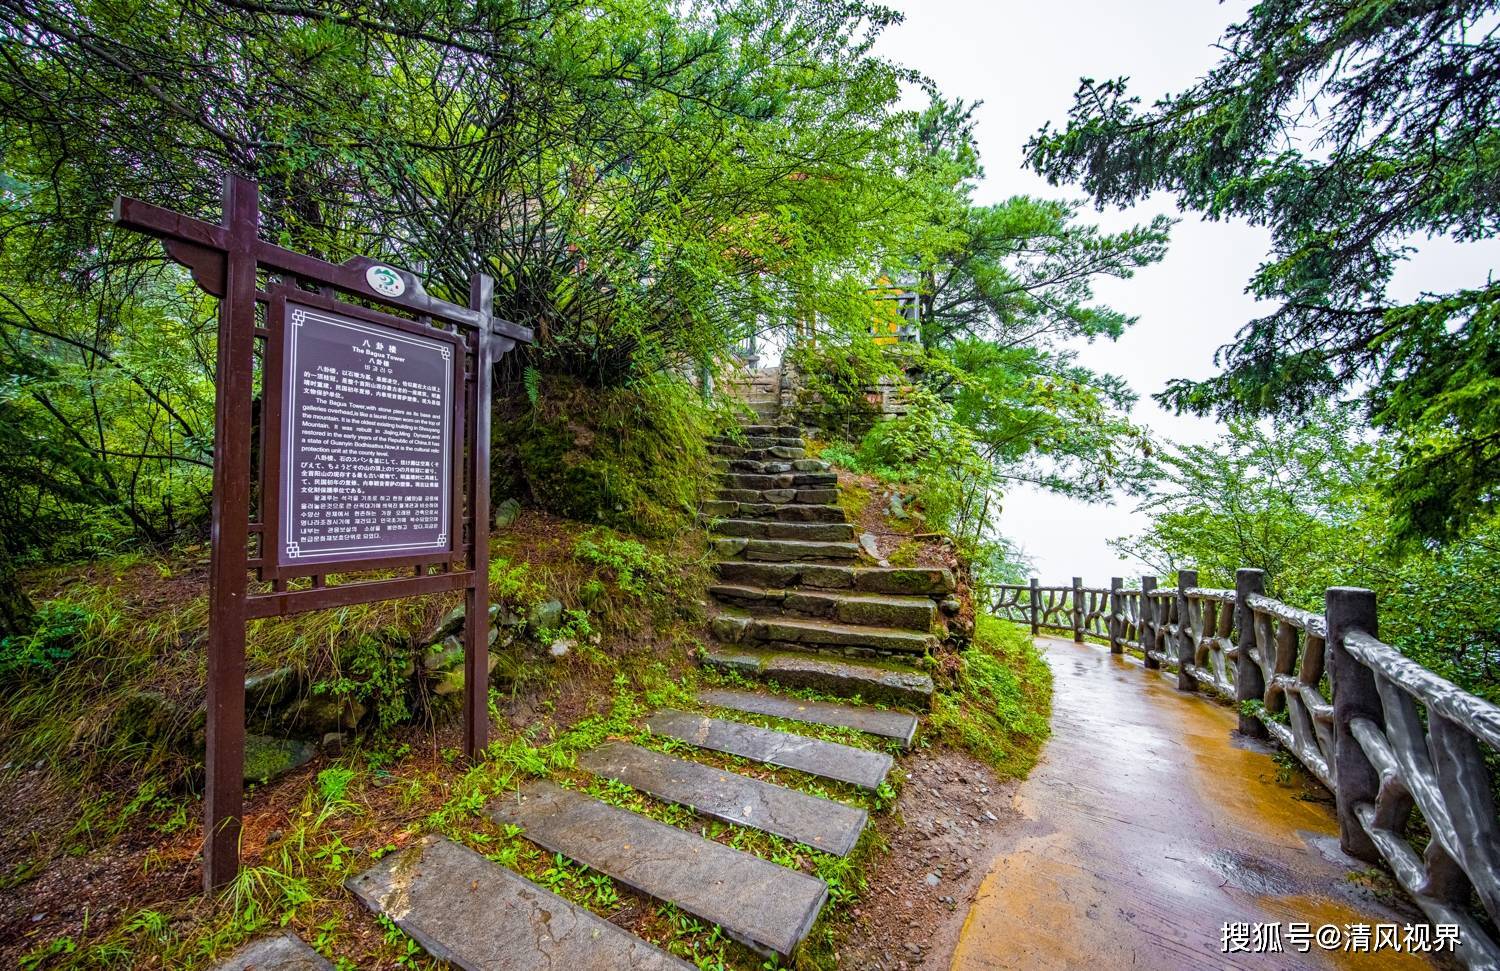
pixel 797 604
pixel 797 600
pixel 476 914
pixel 759 389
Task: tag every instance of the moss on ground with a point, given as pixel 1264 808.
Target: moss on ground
pixel 1000 705
pixel 633 458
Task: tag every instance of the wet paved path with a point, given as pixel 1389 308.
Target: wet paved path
pixel 1146 827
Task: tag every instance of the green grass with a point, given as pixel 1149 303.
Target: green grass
pixel 1001 703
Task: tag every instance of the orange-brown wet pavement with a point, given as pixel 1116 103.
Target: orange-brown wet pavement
pixel 1147 826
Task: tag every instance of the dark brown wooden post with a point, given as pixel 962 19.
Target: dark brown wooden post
pixel 1249 680
pixel 1149 621
pixel 1078 610
pixel 477 614
pixel 1187 647
pixel 1348 609
pixel 1116 618
pixel 224 757
pixel 1036 607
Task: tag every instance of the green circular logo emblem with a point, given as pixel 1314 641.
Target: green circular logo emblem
pixel 384 280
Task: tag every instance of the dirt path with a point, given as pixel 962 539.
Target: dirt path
pixel 1147 827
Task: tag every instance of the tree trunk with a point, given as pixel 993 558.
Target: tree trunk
pixel 16 611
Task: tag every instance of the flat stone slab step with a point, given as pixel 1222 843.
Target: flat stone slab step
pixel 820 823
pixel 733 627
pixel 476 914
pixel 284 951
pixel 830 760
pixel 845 607
pixel 890 683
pixel 776 529
pixel 872 721
pixel 869 579
pixel 766 906
pixel 779 550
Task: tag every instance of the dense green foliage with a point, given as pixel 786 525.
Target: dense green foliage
pixel 996 396
pixel 643 179
pixel 1352 130
pixel 1303 502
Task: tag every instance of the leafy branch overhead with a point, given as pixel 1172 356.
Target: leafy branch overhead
pixel 1352 131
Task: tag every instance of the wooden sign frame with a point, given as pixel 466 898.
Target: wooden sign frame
pixel 253 280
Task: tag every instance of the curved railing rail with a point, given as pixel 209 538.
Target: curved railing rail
pixel 1408 756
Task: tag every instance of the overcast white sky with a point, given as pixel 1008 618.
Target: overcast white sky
pixel 1024 60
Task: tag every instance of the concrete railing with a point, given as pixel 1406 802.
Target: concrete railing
pixel 1402 750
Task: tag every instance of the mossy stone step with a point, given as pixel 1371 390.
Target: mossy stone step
pixel 745 452
pixel 827 760
pixel 768 907
pixel 776 529
pixel 779 550
pixel 845 607
pixel 932 581
pixel 898 725
pixel 475 914
pixel 820 496
pixel 791 512
pixel 283 951
pixel 888 682
pixel 784 480
pixel 763 441
pixel 820 823
pixel 733 627
pixel 784 430
pixel 771 466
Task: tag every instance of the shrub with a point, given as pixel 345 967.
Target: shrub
pixel 633 458
pixel 52 642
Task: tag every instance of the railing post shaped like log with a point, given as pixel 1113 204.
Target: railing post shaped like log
pixel 1116 616
pixel 1187 647
pixel 1355 696
pixel 1036 606
pixel 1078 610
pixel 1249 682
pixel 1148 622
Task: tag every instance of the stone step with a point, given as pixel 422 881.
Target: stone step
pixel 475 914
pixel 828 760
pixel 790 512
pixel 872 721
pixel 783 452
pixel 744 466
pixel 776 529
pixel 734 627
pixel 763 441
pixel 888 682
pixel 283 951
pixel 784 480
pixel 763 905
pixel 820 823
pixel 816 497
pixel 782 550
pixel 933 581
pixel 874 609
pixel 792 431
